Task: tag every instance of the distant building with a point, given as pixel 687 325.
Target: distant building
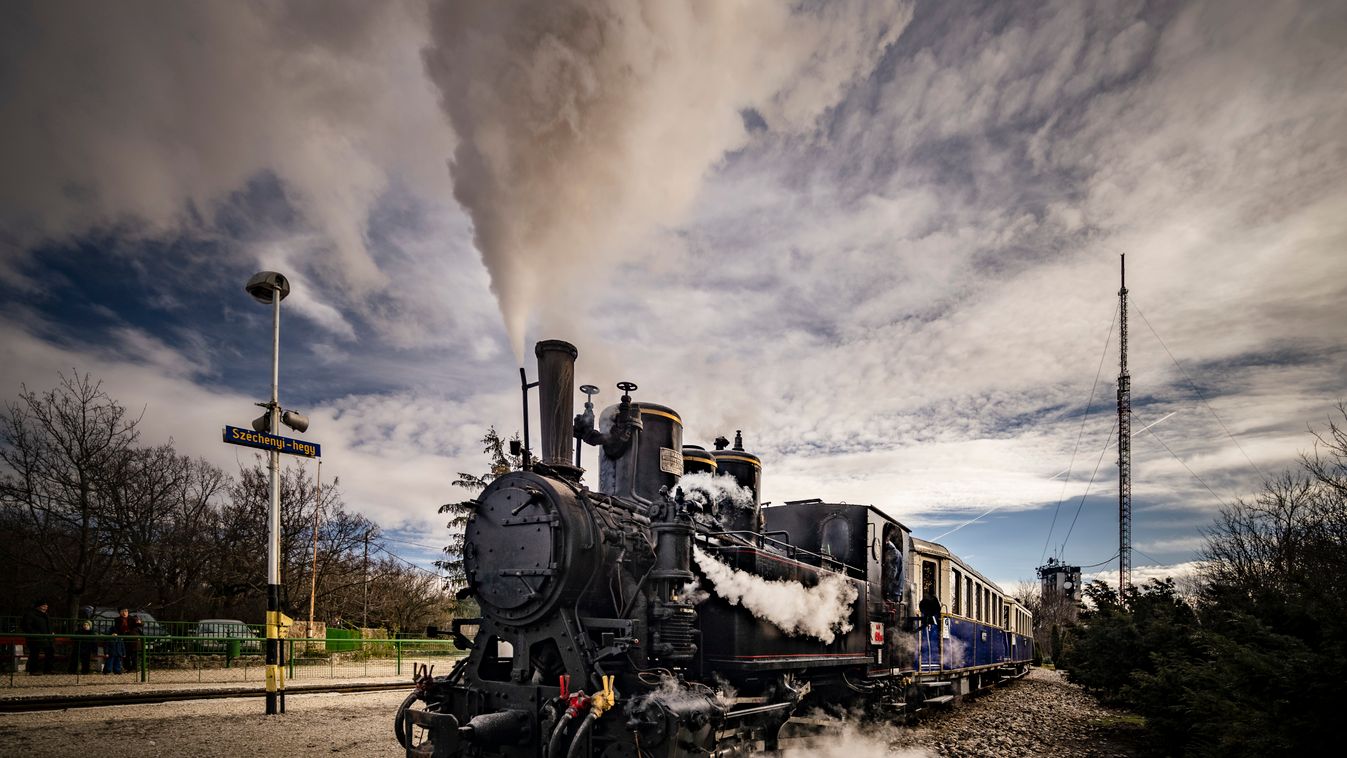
pixel 1059 585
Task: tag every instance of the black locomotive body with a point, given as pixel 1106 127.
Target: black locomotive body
pixel 602 633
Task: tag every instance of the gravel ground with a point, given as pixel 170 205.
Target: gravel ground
pixel 1040 715
pixel 317 724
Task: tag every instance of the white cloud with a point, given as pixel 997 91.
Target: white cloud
pixel 1190 543
pixel 1183 574
pixel 395 455
pixel 899 290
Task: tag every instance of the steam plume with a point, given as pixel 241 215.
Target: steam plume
pixel 818 612
pixel 715 493
pixel 586 123
pixel 856 737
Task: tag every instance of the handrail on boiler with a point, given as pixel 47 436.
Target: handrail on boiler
pixel 792 551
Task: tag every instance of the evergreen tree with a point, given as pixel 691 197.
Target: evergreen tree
pixel 1254 665
pixel 502 461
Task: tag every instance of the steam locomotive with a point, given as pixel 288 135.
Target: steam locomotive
pixel 671 613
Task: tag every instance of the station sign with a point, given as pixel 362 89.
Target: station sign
pixel 248 438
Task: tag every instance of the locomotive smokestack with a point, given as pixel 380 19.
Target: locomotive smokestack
pixel 556 396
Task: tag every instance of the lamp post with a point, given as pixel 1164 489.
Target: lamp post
pixel 270 288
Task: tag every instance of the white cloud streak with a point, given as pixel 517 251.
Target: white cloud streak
pixel 899 288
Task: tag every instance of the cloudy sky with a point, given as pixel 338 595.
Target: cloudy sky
pixel 881 238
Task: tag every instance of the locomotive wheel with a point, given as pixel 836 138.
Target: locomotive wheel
pixel 418 734
pixel 398 730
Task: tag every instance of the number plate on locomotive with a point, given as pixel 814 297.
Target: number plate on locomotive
pixel 671 461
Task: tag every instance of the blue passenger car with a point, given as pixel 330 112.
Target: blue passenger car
pixel 980 633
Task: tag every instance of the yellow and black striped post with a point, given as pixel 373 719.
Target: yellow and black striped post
pixel 277 624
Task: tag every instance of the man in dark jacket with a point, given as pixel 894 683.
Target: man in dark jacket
pixel 122 628
pixel 40 649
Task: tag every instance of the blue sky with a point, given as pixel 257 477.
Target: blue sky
pixel 881 238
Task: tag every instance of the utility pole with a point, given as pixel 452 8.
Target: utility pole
pixel 1124 446
pixel 270 288
pixel 313 575
pixel 364 621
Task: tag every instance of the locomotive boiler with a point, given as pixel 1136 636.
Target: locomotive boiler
pixel 669 612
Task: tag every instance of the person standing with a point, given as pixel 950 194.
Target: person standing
pixel 82 649
pixel 40 649
pixel 133 641
pixel 116 644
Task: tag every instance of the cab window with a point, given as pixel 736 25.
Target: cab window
pixel 837 538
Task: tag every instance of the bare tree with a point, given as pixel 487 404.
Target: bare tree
pixel 1028 593
pixel 164 514
pixel 239 576
pixel 405 597
pixel 1327 464
pixel 62 450
pixel 1263 543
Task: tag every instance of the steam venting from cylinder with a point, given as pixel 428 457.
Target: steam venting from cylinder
pixel 556 399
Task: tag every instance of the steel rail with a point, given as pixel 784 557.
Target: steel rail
pixel 62 702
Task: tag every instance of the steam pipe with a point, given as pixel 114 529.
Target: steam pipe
pixel 524 387
pixel 581 735
pixel 556 398
pixel 554 744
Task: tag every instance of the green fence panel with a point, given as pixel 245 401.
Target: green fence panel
pixel 343 640
pixel 173 660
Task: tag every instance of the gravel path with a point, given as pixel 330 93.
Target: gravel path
pixel 317 724
pixel 1040 715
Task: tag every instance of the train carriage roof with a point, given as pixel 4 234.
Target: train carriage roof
pixel 940 551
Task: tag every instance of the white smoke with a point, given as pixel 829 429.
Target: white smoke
pixel 955 652
pixel 904 643
pixel 858 738
pixel 584 124
pixel 715 493
pixel 691 593
pixel 674 692
pixel 820 611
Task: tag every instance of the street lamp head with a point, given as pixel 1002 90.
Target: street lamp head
pixel 295 420
pixel 268 284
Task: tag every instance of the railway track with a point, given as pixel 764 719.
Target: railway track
pixel 62 702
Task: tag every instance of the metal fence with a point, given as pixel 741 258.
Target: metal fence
pixel 102 622
pixel 218 659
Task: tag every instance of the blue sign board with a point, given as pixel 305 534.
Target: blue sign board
pixel 248 438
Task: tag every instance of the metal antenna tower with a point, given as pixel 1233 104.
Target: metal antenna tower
pixel 1124 445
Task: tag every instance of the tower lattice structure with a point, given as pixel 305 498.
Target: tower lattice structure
pixel 1124 446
